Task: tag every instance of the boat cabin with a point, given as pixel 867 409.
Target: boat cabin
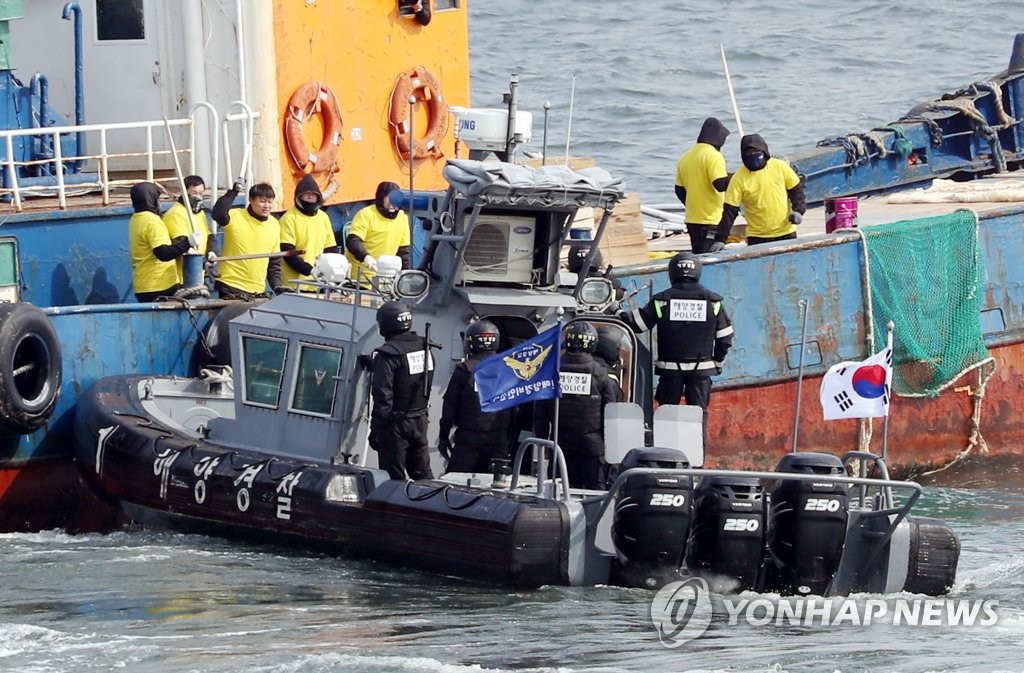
pixel 492 251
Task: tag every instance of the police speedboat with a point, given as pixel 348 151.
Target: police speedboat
pixel 270 442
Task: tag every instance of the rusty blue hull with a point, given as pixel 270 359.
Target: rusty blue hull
pixel 754 406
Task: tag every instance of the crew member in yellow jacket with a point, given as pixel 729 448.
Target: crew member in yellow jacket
pixel 249 231
pixel 771 193
pixel 178 223
pixel 305 227
pixel 151 248
pixel 378 229
pixel 701 180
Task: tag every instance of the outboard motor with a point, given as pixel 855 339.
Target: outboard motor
pixel 727 537
pixel 806 525
pixel 652 519
pixel 933 556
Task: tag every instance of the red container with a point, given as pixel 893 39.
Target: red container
pixel 840 213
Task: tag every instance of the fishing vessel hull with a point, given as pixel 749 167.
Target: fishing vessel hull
pixel 40 488
pixel 971 420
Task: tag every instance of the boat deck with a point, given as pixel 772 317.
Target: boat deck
pixel 989 194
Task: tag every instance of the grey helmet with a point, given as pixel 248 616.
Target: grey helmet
pixel 685 267
pixel 393 317
pixel 482 336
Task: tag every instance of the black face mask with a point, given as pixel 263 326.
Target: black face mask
pixel 755 161
pixel 390 214
pixel 196 202
pixel 307 208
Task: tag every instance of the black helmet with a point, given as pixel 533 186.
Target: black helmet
pixel 482 336
pixel 684 267
pixel 580 337
pixel 607 347
pixel 578 254
pixel 393 317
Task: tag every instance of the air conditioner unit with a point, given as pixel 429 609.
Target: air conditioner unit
pixel 500 249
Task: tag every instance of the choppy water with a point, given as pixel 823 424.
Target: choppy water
pixel 149 601
pixel 646 75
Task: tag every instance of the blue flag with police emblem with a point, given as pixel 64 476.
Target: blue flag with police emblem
pixel 525 373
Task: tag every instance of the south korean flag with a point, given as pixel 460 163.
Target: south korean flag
pixel 858 389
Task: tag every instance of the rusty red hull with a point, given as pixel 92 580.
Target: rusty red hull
pixel 752 426
pixel 49 494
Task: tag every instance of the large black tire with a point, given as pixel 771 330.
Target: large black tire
pixel 30 368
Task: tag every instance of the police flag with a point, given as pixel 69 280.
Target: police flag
pixel 523 373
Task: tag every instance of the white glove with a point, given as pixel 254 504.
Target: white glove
pixel 795 217
pixel 193 239
pixel 370 263
pixel 211 257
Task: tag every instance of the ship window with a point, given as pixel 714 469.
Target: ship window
pixel 441 5
pixel 263 369
pixel 315 383
pixel 9 277
pixel 120 20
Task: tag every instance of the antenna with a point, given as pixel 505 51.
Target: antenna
pixel 732 94
pixel 568 133
pixel 800 378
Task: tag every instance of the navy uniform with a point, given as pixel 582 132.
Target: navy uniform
pixel 586 389
pixel 402 373
pixel 479 437
pixel 694 335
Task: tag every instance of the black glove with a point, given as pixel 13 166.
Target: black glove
pixel 444 447
pixel 374 438
pixel 716 246
pixel 282 289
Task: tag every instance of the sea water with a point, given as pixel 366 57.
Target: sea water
pixel 646 75
pixel 157 602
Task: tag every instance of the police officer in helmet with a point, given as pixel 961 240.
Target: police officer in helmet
pixel 586 389
pixel 579 252
pixel 479 437
pixel 694 335
pixel 402 373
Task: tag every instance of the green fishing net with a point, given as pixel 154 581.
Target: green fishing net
pixel 927 277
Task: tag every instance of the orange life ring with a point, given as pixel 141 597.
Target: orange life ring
pixel 424 86
pixel 309 99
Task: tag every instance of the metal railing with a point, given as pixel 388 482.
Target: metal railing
pixel 103 171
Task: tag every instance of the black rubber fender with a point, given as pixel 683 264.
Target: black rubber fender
pixel 217 336
pixel 934 554
pixel 30 368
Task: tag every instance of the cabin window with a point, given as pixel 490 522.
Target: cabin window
pixel 263 369
pixel 120 20
pixel 9 278
pixel 441 5
pixel 315 382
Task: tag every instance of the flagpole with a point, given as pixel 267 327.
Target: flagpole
pixel 541 466
pixel 800 375
pixel 885 423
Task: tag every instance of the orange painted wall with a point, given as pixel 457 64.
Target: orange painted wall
pixel 358 48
